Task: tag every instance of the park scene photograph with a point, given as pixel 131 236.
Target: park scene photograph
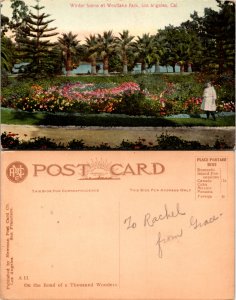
pixel 117 75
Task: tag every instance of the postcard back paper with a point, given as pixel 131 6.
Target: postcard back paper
pixel 117 225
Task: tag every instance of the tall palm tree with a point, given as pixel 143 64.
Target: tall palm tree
pixel 69 47
pixel 106 47
pixel 159 50
pixel 144 49
pixel 124 48
pixel 5 55
pixel 91 51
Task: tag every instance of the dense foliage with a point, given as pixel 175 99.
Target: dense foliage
pixel 216 31
pixel 10 141
pixel 156 95
pixel 34 45
pixel 201 43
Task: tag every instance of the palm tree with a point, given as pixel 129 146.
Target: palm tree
pixel 144 49
pixel 106 47
pixel 158 53
pixel 91 51
pixel 124 47
pixel 5 56
pixel 69 47
pixel 8 53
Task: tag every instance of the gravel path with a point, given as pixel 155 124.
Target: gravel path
pixel 93 136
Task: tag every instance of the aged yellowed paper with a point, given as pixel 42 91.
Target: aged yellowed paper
pixel 117 225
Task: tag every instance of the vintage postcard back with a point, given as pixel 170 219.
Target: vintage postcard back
pixel 117 225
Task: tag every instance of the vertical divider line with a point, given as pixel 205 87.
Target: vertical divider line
pixel 220 183
pixel 195 177
pixel 119 240
pixel 227 173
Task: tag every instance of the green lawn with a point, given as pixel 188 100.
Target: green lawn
pixel 15 117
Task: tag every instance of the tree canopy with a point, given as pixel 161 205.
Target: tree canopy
pixel 34 44
pixel 203 43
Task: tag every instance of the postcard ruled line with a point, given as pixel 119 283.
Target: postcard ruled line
pixel 119 241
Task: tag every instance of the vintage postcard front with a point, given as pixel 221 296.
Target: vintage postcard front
pixel 117 225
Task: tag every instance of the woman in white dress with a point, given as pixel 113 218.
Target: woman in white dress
pixel 209 100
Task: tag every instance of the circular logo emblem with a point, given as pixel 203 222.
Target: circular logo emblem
pixel 17 172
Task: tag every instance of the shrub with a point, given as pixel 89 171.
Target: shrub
pixel 102 146
pixel 138 103
pixel 40 143
pixel 170 142
pixel 164 142
pixel 130 104
pixel 76 144
pixel 9 140
pixel 138 145
pixel 220 144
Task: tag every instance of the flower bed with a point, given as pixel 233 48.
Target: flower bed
pixel 171 96
pixel 73 97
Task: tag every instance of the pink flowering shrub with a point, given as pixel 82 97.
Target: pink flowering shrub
pixel 226 106
pixel 193 105
pixel 76 97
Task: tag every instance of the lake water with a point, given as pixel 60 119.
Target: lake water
pixel 85 68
